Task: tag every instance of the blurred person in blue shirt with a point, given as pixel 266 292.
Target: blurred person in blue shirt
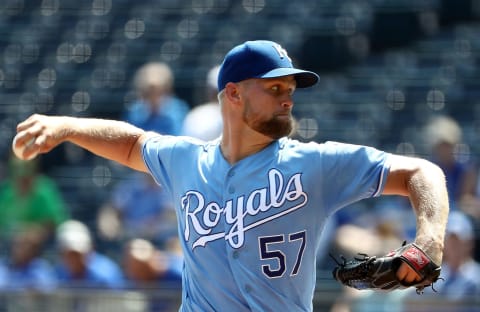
pixel 25 268
pixel 82 266
pixel 442 135
pixel 155 272
pixel 459 288
pixel 157 108
pixel 138 207
pixel 459 269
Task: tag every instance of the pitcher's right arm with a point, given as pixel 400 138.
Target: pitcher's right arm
pixel 110 139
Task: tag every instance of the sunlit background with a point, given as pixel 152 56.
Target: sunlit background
pixel 386 67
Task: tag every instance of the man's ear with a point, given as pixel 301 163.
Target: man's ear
pixel 232 92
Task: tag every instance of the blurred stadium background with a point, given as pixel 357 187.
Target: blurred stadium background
pixel 386 67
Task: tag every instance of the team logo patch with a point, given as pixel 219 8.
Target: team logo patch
pixel 416 257
pixel 281 52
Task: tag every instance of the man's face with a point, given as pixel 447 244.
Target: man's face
pixel 268 105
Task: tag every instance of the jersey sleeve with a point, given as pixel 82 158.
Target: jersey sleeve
pixel 157 155
pixel 352 172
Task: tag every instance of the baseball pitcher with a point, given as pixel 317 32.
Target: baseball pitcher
pixel 251 205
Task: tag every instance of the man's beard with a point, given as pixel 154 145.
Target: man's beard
pixel 274 128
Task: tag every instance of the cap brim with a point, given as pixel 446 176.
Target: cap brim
pixel 304 78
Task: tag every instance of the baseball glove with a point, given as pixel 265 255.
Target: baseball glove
pixel 364 272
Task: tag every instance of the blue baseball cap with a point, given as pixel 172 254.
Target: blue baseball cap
pixel 261 59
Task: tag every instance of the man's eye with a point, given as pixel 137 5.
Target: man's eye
pixel 275 88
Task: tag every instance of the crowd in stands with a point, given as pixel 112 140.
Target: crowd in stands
pixel 133 242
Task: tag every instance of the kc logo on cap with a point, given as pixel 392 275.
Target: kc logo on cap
pixel 261 59
pixel 281 51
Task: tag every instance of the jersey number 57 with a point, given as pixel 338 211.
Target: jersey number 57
pixel 273 248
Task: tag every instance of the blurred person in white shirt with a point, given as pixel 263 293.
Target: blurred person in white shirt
pixel 205 120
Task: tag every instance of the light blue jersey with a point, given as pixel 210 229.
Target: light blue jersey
pixel 250 231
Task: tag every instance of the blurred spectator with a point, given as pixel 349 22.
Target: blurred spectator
pixel 459 269
pixel 375 233
pixel 379 232
pixel 205 120
pixel 138 208
pixel 175 252
pixel 470 204
pixel 157 108
pixel 29 198
pixel 442 135
pixel 470 198
pixel 26 269
pixel 147 267
pixel 3 275
pixel 81 265
pixel 144 264
pixel 460 286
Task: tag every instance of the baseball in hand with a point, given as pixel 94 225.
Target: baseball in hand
pixel 18 151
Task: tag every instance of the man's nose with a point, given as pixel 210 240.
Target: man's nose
pixel 287 101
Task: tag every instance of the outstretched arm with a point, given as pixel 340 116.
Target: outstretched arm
pixel 114 140
pixel 424 183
